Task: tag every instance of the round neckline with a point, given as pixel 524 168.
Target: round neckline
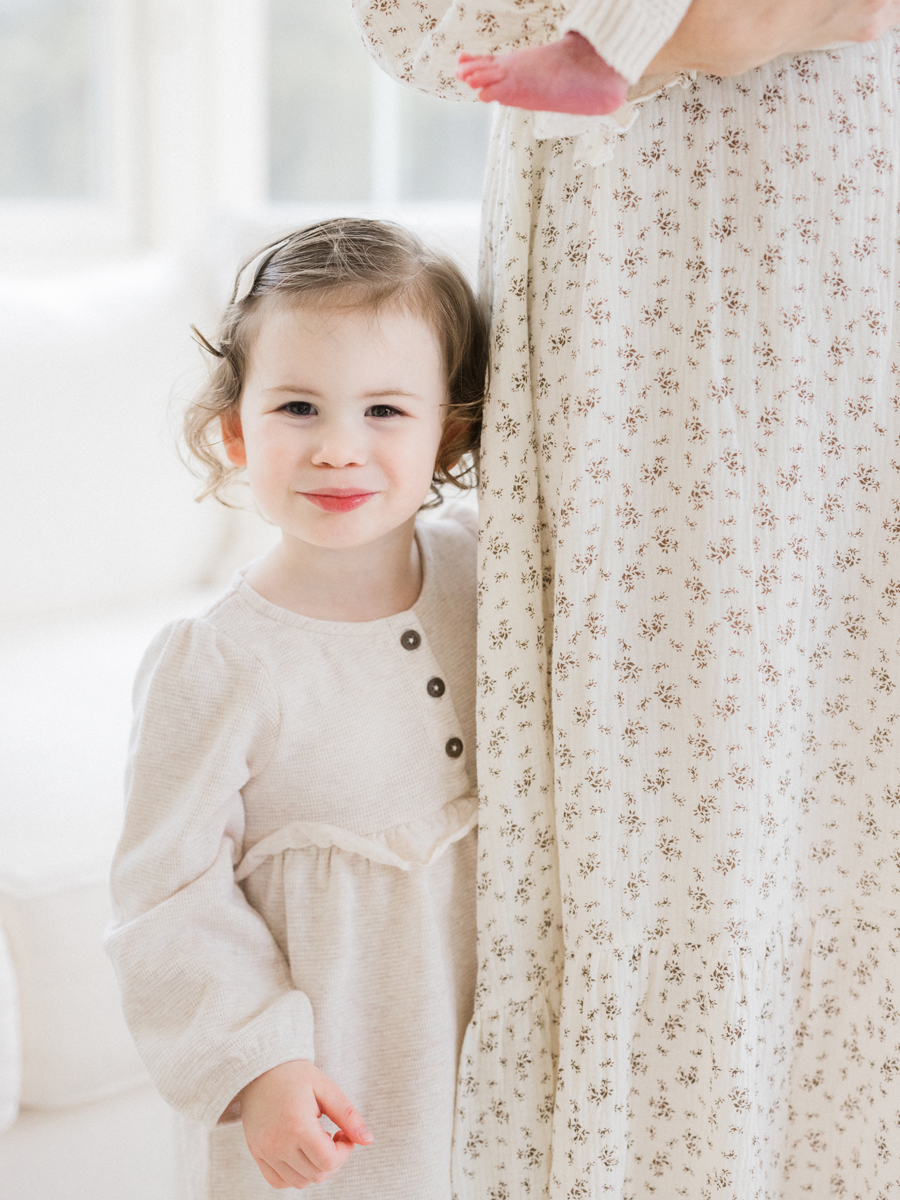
pixel 349 628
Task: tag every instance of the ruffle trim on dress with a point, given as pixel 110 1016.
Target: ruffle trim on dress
pixel 708 1038
pixel 505 1100
pixel 416 844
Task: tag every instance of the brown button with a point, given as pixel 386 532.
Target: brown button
pixel 454 748
pixel 410 640
pixel 436 687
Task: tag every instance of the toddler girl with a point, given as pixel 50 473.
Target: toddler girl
pixel 294 887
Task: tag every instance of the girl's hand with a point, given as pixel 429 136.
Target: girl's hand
pixel 726 37
pixel 281 1110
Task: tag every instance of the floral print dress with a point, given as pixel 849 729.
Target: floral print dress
pixel 689 655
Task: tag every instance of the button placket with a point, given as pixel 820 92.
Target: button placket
pixel 411 639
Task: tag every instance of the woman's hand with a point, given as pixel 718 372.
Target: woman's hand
pixel 728 37
pixel 281 1110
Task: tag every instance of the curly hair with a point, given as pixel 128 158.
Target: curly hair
pixel 354 263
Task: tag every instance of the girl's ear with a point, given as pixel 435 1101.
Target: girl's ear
pixel 233 438
pixel 453 427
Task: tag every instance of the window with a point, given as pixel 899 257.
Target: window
pixel 341 130
pixel 65 124
pixel 198 125
pixel 309 127
pixel 49 99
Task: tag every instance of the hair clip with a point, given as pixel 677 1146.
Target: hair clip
pixel 248 274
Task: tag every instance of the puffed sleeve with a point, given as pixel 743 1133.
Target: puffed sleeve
pixel 206 991
pixel 417 41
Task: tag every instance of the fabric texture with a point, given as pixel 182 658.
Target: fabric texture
pixel 688 645
pixel 296 874
pixel 626 35
pixel 597 136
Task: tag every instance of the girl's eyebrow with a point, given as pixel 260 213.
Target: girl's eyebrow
pixel 391 392
pixel 295 390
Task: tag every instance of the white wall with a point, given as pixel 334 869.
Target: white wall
pixel 97 508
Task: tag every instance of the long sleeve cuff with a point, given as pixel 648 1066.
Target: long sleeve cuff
pixel 206 1090
pixel 627 35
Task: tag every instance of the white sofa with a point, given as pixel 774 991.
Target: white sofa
pixel 102 543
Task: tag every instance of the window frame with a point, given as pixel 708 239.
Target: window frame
pixel 184 101
pixel 247 214
pixel 34 233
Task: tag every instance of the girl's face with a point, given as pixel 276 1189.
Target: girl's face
pixel 340 422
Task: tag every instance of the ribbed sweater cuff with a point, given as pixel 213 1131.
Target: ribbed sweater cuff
pixel 625 33
pixel 205 1086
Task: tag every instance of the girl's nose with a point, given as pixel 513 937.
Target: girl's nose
pixel 340 444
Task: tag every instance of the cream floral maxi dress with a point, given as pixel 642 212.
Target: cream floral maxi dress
pixel 689 940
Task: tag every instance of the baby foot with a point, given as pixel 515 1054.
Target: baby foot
pixel 567 76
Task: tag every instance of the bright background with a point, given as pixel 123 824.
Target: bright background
pixel 146 147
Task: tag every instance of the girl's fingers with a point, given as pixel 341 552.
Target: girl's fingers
pixel 335 1105
pixel 299 1169
pixel 281 1111
pixel 271 1176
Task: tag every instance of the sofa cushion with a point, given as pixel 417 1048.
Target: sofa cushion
pixel 122 1148
pixel 10 1062
pixel 75 1046
pixel 65 714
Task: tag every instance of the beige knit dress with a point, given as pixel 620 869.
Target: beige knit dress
pixel 689 637
pixel 296 874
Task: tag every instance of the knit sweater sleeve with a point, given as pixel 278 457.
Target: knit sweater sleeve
pixel 205 988
pixel 626 33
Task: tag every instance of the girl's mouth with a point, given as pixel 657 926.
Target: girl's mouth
pixel 338 500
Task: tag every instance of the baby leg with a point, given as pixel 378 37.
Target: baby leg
pixel 567 76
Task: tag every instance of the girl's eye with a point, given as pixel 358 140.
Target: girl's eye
pixel 298 408
pixel 382 410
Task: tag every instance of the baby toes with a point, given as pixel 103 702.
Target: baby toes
pixel 481 74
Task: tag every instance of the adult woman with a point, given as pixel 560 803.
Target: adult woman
pixel 689 629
